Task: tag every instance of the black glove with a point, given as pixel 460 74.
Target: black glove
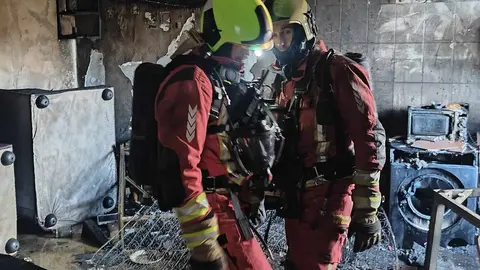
pixel 208 256
pixel 367 229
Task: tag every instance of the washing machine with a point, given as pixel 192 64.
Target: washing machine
pixel 414 174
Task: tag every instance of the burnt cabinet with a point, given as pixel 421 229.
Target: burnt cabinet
pixel 78 19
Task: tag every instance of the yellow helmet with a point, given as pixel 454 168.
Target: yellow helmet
pixel 242 22
pixel 295 11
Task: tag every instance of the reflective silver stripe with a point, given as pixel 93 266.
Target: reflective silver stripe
pixel 322 159
pixel 195 208
pixel 195 239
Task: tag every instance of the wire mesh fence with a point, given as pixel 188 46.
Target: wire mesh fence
pixel 152 240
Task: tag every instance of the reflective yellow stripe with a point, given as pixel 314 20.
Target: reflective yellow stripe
pixel 366 203
pixel 322 143
pixel 237 179
pixel 366 192
pixel 196 208
pixel 366 182
pixel 363 199
pixel 366 178
pixel 341 219
pixel 322 148
pixel 196 239
pixel 223 139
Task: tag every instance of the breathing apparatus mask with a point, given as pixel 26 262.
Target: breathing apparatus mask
pixel 256 138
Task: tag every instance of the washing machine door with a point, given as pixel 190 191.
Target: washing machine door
pixel 415 196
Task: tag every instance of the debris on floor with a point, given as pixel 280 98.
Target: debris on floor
pixel 458 258
pixel 457 146
pixel 17 263
pixel 153 241
pixel 53 253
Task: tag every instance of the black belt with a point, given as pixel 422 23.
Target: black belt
pixel 215 129
pixel 211 183
pixel 329 169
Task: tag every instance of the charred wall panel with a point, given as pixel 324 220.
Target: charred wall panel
pixel 131 32
pixel 429 52
pixel 31 54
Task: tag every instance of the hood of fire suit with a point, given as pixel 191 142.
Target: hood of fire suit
pixel 229 64
pixel 297 51
pixel 222 57
pixel 297 16
pixel 297 71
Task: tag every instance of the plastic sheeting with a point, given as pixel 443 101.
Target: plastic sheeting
pixel 8 215
pixel 96 70
pixel 73 155
pixel 65 162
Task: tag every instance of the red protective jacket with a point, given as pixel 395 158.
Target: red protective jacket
pixel 357 108
pixel 182 116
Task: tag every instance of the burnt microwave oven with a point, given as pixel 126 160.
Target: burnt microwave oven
pixel 438 123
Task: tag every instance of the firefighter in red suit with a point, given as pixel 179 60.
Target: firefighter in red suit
pixel 340 144
pixel 184 115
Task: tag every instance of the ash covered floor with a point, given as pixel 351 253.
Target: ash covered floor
pixel 59 254
pixel 53 253
pixel 458 258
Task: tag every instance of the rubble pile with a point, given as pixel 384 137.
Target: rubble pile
pixel 458 258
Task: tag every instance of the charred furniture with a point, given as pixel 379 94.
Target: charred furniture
pixel 414 174
pixel 65 169
pixel 454 201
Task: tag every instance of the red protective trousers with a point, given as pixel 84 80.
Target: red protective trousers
pixel 241 254
pixel 315 241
